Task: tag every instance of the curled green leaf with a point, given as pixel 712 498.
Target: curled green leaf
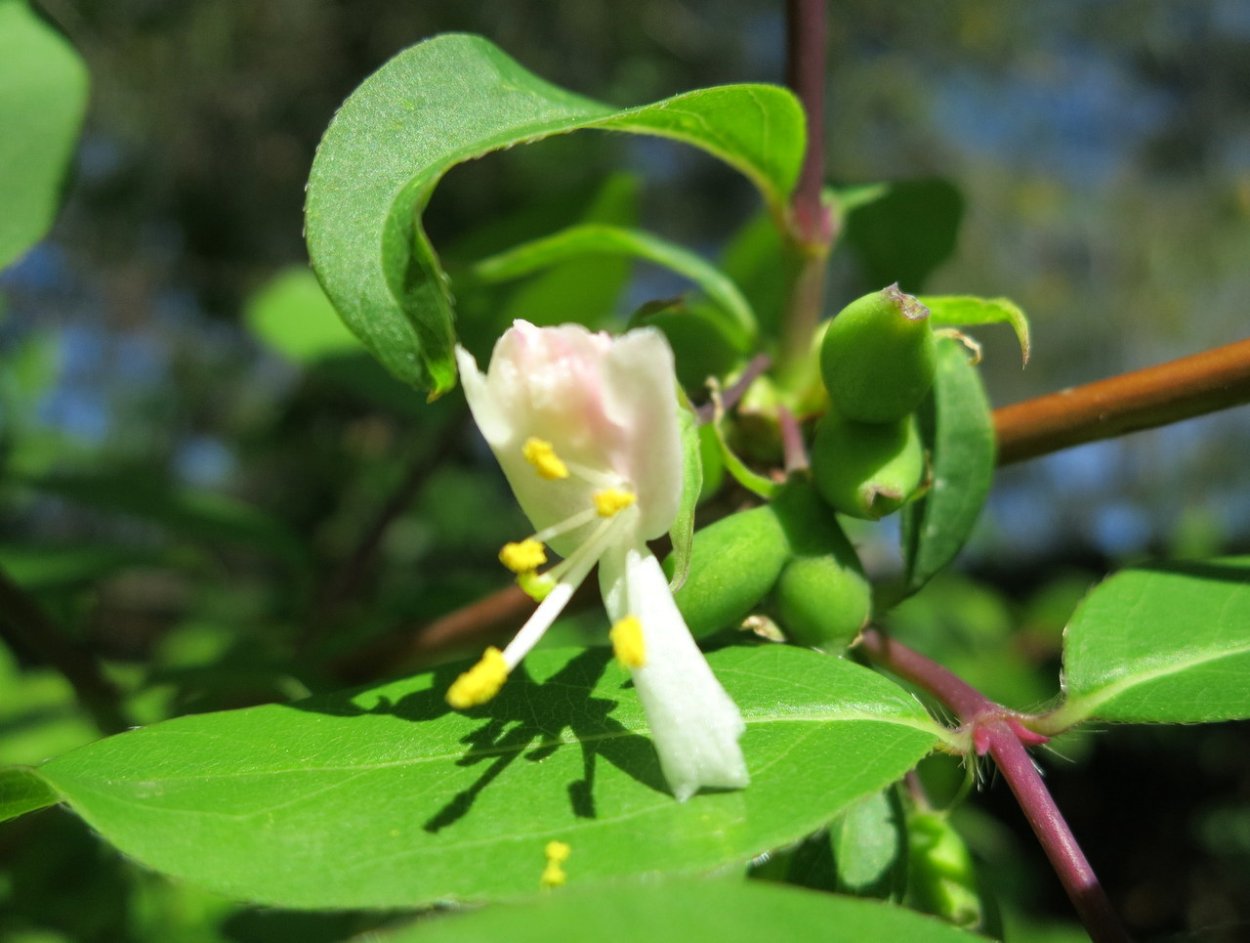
pixel 455 98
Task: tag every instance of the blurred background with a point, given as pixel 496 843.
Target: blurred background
pixel 190 485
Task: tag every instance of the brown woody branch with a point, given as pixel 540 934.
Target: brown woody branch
pixel 1156 396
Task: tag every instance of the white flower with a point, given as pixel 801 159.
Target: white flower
pixel 585 427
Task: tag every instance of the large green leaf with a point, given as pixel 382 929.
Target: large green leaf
pixel 452 99
pixel 387 798
pixel 1161 644
pixel 43 96
pixel 959 432
pixel 685 911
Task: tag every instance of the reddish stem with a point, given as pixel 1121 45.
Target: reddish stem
pixel 806 35
pixel 793 448
pixel 1002 734
pixel 1052 831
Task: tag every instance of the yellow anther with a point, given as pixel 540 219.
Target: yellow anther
pixel 537 586
pixel 627 642
pixel 523 557
pixel 480 683
pixel 542 455
pixel 612 501
pixel 553 874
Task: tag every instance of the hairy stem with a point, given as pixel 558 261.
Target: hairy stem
pixel 1143 399
pixel 24 622
pixel 1052 831
pixel 1000 732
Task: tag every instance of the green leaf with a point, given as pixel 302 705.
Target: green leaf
pixel 292 316
pixel 22 791
pixel 869 845
pixel 958 427
pixel 901 231
pixel 970 310
pixel 682 531
pixel 39 714
pixel 200 515
pixel 43 96
pixel 1168 643
pixel 455 98
pixel 585 290
pixel 597 240
pixel 682 911
pixel 699 336
pixel 38 568
pixel 387 798
pixel 758 258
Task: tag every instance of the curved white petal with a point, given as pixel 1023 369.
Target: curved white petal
pixel 695 725
pixel 544 383
pixel 641 396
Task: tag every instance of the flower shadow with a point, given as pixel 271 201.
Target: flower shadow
pixel 528 720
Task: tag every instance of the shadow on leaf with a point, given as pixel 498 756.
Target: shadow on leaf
pixel 529 720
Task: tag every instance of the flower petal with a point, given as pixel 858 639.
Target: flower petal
pixel 695 725
pixel 640 392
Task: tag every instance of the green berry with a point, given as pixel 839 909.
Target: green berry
pixel 878 356
pixel 822 597
pixel 733 565
pixel 824 601
pixel 867 470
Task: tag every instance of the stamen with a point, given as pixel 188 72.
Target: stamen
pixel 480 683
pixel 523 557
pixel 627 642
pixel 547 534
pixel 611 501
pixel 553 874
pixel 569 574
pixel 537 586
pixel 542 455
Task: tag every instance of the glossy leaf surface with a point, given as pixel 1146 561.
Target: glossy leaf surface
pixel 387 798
pixel 1161 644
pixel 680 912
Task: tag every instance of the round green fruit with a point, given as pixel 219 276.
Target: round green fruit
pixel 867 470
pixel 823 601
pixel 822 597
pixel 878 356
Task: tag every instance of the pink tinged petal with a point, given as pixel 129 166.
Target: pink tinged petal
pixel 502 407
pixel 641 397
pixel 694 724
